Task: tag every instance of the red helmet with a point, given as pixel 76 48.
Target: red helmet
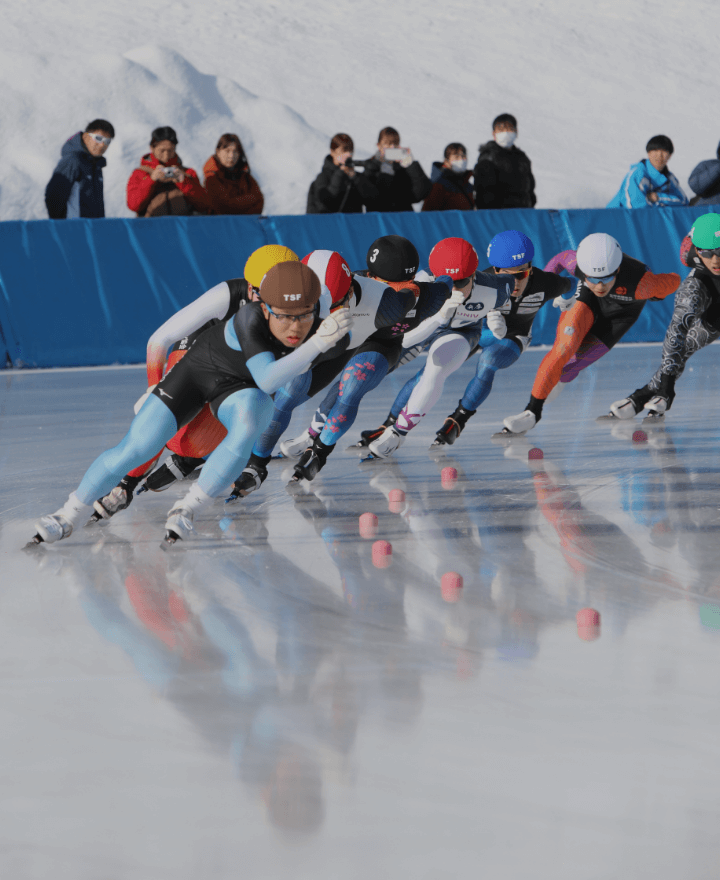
pixel 332 270
pixel 454 257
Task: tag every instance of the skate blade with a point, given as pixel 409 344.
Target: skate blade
pixel 371 457
pixel 653 418
pixel 170 539
pixel 141 489
pixel 507 436
pixel 609 417
pixel 34 543
pixel 359 445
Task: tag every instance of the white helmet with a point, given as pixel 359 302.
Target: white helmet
pixel 599 255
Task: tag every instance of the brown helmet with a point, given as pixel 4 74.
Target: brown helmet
pixel 292 287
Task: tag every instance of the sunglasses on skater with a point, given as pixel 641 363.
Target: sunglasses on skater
pixel 606 279
pixel 522 273
pixel 98 138
pixel 303 318
pixel 708 252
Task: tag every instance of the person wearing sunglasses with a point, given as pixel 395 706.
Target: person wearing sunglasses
pixel 612 293
pixel 695 321
pixel 236 367
pixel 76 186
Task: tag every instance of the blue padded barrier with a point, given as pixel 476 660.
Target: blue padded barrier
pixel 85 292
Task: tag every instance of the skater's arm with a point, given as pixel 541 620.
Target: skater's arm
pixel 653 286
pixel 214 303
pixel 572 328
pixel 566 260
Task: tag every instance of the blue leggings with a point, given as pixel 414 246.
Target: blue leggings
pixel 363 372
pixel 499 356
pixel 244 413
pixel 286 399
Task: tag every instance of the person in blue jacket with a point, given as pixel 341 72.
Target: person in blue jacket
pixel 76 187
pixel 650 183
pixel 705 182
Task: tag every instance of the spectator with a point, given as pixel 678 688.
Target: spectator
pixel 705 182
pixel 452 189
pixel 162 185
pixel 399 179
pixel 503 174
pixel 340 188
pixel 76 187
pixel 231 189
pixel 650 183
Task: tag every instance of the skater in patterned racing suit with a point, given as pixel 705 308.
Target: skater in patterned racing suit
pixel 612 293
pixel 695 322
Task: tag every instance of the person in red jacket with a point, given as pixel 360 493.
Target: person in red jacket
pixel 230 187
pixel 162 185
pixel 452 190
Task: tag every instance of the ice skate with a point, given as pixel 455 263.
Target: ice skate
pixel 656 408
pixel 521 423
pixel 51 528
pixel 117 499
pixel 366 437
pixel 295 448
pixel 252 477
pixel 384 445
pixel 177 467
pixel 453 427
pixel 312 461
pixel 622 409
pixel 179 525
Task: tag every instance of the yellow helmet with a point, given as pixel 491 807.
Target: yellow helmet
pixel 265 258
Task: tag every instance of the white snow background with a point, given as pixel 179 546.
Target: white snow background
pixel 589 80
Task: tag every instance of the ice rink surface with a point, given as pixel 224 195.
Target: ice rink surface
pixel 263 702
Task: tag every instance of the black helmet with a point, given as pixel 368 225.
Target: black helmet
pixel 393 258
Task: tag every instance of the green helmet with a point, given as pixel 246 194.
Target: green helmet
pixel 705 233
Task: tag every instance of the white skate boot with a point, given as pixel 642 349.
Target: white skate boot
pixel 179 524
pixel 386 443
pixel 59 525
pixel 656 407
pixel 519 424
pixel 295 448
pixel 624 409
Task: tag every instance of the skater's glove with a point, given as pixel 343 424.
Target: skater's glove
pixel 496 324
pixel 447 310
pixel 332 330
pixel 564 304
pixel 141 401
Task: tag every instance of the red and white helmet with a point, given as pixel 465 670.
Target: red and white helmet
pixel 454 257
pixel 332 270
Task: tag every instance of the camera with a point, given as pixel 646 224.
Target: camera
pixel 356 163
pixel 170 171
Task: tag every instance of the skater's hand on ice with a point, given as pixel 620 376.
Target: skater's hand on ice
pixel 496 324
pixel 332 329
pixel 141 401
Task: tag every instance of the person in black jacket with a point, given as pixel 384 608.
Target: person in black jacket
pixel 399 178
pixel 340 188
pixel 705 182
pixel 76 186
pixel 503 174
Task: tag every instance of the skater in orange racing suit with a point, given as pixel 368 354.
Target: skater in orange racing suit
pixel 612 292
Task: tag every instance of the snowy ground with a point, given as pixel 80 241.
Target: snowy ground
pixel 589 81
pixel 264 702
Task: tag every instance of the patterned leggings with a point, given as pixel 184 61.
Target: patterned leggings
pixel 686 334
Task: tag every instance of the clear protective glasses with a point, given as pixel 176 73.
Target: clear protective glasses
pixel 606 279
pixel 285 320
pixel 708 253
pixel 101 139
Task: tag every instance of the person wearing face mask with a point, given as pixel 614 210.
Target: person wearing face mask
pixel 695 322
pixel 503 173
pixel 452 190
pixel 650 183
pixel 230 187
pixel 612 293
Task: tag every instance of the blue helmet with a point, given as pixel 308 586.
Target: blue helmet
pixel 510 249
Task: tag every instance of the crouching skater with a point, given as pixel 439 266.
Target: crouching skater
pixel 235 366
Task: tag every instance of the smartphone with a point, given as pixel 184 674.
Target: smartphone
pixel 395 154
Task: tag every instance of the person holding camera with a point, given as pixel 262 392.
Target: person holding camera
pixel 399 178
pixel 340 188
pixel 231 189
pixel 162 185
